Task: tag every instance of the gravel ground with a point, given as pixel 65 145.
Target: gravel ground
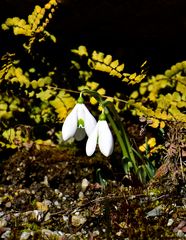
pixel 51 193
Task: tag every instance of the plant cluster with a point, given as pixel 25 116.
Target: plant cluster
pixel 35 26
pixel 32 102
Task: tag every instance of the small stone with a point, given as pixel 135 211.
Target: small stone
pixel 81 195
pixel 77 220
pixel 2 214
pixel 84 185
pixel 170 222
pixel 57 204
pixel 95 233
pixel 8 204
pixel 3 223
pixel 181 224
pixel 38 215
pixel 119 233
pixel 180 233
pixel 45 181
pixel 65 218
pixel 157 211
pixel 25 235
pixel 47 217
pixel 46 233
pixel 6 235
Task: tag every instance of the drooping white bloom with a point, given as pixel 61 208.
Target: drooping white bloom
pixel 78 123
pixel 102 136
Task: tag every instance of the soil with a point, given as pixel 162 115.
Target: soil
pixel 52 193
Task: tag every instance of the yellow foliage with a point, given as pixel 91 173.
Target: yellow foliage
pixel 101 91
pixel 120 68
pixel 36 23
pixel 114 64
pixel 81 51
pixel 93 101
pixel 100 62
pixel 62 104
pixel 107 60
pixel 168 106
pixel 151 143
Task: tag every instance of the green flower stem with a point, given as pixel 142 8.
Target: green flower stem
pixel 118 135
pixel 121 135
pixel 118 128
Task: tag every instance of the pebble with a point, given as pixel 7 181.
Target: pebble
pixel 2 214
pixel 81 195
pixel 78 220
pixel 47 217
pixel 180 233
pixel 26 235
pixel 157 211
pixel 65 218
pixel 8 204
pixel 170 222
pixel 96 233
pixel 3 223
pixel 84 185
pixel 6 235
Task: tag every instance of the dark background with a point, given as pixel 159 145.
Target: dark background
pixel 131 30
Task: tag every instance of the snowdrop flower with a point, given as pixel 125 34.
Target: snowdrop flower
pixel 101 135
pixel 78 123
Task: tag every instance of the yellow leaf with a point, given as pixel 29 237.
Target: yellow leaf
pixel 101 91
pixel 102 67
pixel 114 64
pixel 152 142
pixel 115 73
pixel 9 134
pixel 62 112
pixel 162 124
pixel 34 84
pixel 81 51
pixel 98 66
pixel 181 88
pixel 95 55
pixel 92 85
pixel 132 76
pixel 143 64
pixel 142 90
pixel 176 96
pixel 100 57
pixel 93 101
pixel 155 123
pixel 142 148
pixel 44 95
pixel 108 59
pixel 164 115
pixel 134 95
pixel 139 78
pixel 120 68
pixel 41 82
pixel 37 9
pixel 3 106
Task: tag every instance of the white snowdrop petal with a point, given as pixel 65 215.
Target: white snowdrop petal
pixel 89 120
pixel 80 111
pixel 92 142
pixel 70 125
pixel 105 138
